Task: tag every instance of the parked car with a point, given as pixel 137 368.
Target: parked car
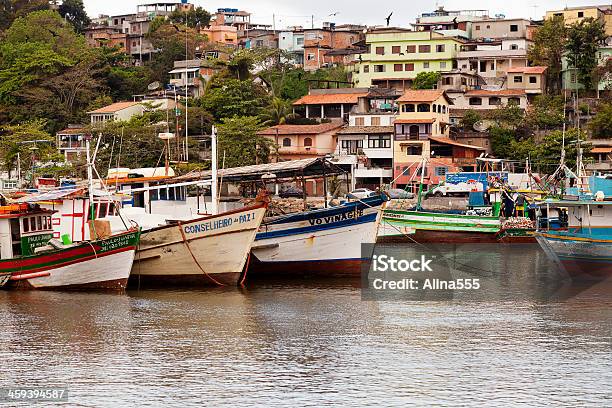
pixel 398 193
pixel 360 193
pixel 291 192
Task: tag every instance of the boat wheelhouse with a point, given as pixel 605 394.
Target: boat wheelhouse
pixel 35 260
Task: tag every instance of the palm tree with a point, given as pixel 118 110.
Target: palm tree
pixel 277 113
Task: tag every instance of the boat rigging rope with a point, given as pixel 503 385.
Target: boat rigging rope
pixel 180 225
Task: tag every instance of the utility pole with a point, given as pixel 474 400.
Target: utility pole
pixel 312 21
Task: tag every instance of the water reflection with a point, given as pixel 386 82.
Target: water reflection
pixel 313 342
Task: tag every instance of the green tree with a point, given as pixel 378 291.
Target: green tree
pixel 469 119
pixel 501 141
pixel 239 141
pixel 74 12
pixel 601 124
pixel 583 41
pixel 19 140
pixel 226 98
pixel 169 39
pixel 276 113
pixel 12 9
pixel 426 80
pixel 548 48
pixel 510 116
pixel 194 17
pixel 548 151
pixel 545 112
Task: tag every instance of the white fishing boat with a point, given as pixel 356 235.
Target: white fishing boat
pixel 34 260
pixel 325 242
pixel 205 251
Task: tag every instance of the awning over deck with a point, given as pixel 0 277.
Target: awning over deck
pixel 307 168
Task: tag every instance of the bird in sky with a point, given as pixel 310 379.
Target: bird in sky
pixel 389 19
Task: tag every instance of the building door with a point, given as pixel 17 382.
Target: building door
pixel 414 131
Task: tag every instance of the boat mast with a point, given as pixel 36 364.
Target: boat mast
pixel 90 179
pixel 213 188
pixel 418 207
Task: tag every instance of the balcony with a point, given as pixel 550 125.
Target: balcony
pixel 412 136
pixel 373 172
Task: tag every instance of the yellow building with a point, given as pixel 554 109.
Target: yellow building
pixel 573 15
pixel 395 56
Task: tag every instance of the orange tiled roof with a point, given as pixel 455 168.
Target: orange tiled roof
pixel 114 107
pixel 300 129
pixel 421 95
pixel 410 121
pixel 71 131
pixel 527 70
pixel 327 99
pixel 499 92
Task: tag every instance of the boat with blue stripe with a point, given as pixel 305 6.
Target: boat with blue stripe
pixel 324 242
pixel 584 249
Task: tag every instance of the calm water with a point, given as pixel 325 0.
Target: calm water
pixel 311 343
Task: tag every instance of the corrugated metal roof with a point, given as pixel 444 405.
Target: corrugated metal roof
pixel 114 107
pixel 309 168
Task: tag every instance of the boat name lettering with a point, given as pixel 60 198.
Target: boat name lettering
pixel 117 242
pixel 338 217
pixel 219 223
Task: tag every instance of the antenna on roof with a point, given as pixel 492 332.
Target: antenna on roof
pixel 389 19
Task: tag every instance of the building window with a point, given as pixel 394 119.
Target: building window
pixel 310 57
pixel 580 14
pixel 409 67
pixel 514 47
pixel 533 80
pixel 426 65
pixel 366 69
pixel 477 28
pixel 408 107
pixel 518 79
pixel 573 77
pixel 475 101
pixel 307 142
pixel 423 107
pixel 380 50
pixel 514 101
pixel 447 81
pixel 440 171
pixel 379 142
pixel 286 142
pixel 494 100
pixel 443 108
pixel 411 49
pixel 375 121
pixel 299 41
pixel 396 49
pixel 442 64
pixel 424 48
pixel 359 121
pixel 513 28
pixel 397 67
pixel 440 48
pixel 379 68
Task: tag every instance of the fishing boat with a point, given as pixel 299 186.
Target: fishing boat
pixel 205 251
pixel 584 250
pixel 324 242
pixel 35 260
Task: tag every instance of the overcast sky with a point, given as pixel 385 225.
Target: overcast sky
pixel 369 12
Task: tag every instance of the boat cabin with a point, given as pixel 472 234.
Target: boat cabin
pixel 23 228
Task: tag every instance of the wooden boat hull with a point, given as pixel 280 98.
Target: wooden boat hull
pixel 579 257
pixel 208 251
pixel 324 242
pixel 104 264
pixel 430 227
